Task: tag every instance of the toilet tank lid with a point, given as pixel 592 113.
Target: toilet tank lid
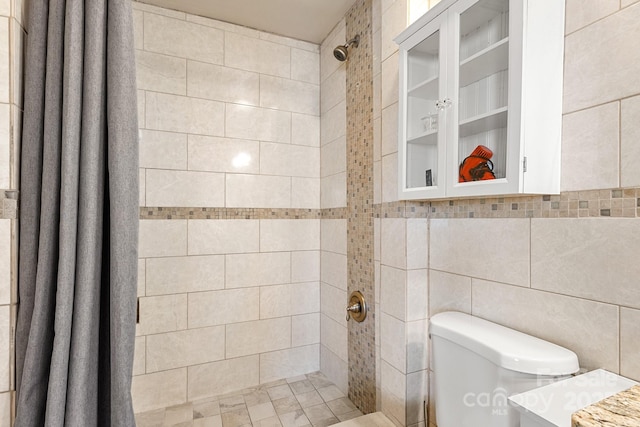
pixel 503 346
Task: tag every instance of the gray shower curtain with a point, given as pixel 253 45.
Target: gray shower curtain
pixel 78 216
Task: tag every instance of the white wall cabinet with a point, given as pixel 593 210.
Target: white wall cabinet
pixel 481 72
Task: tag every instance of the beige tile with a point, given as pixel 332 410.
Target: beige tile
pixel 260 56
pixel 162 314
pixel 305 65
pixel 417 243
pixel 601 69
pixel 393 292
pixel 333 269
pixel 305 193
pixel 588 328
pixel 309 304
pixel 289 160
pixel 184 274
pixel 141 108
pixel 333 302
pixel 5 352
pixel 417 394
pixel 185 348
pixel 393 233
pixel 139 356
pixel 223 307
pixel 5 261
pixel 223 236
pixel 394 385
pixel 16 116
pixel 142 173
pixel 328 64
pixel 333 191
pixel 257 191
pixel 226 26
pixel 222 83
pixel 377 182
pixel 334 336
pixel 625 3
pixel 334 235
pixel 377 244
pixel 5 144
pixel 275 301
pixel 289 235
pixel 182 114
pixel 157 10
pixel 269 268
pixel 138 29
pixel 395 20
pixel 17 63
pixel 417 294
pixel 160 238
pixel 449 292
pixel 333 123
pixel 223 154
pixel 161 73
pixel 5 409
pixel 184 188
pixel 334 157
pixel 334 368
pixel 142 279
pixel 629 142
pixel 5 8
pixel 5 81
pixel 262 412
pixel 289 95
pixel 291 42
pixel 245 122
pixel 389 88
pixel 260 336
pixel 588 258
pixel 163 150
pixel 289 363
pixel 159 390
pixel 578 16
pixel 333 90
pixel 507 261
pixel 212 379
pixel 629 343
pixel 393 342
pixel 305 330
pixel 390 177
pixel 183 39
pixel 305 129
pixel 417 344
pixel 590 141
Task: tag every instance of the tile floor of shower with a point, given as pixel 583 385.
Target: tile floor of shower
pixel 306 400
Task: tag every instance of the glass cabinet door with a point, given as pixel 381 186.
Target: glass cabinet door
pixel 424 131
pixel 481 57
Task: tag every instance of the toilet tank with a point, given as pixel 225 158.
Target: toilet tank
pixel 478 364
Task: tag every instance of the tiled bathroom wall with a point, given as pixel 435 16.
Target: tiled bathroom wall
pixel 559 267
pixel 230 208
pixel 12 35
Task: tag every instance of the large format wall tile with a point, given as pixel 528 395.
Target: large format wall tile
pixel 393 342
pixel 394 388
pixel 334 235
pixel 333 191
pixel 305 266
pixel 223 307
pixel 184 348
pixel 213 154
pixel 163 150
pixel 333 90
pixel 580 15
pixel 589 258
pixel 5 147
pixel 270 268
pixel 5 261
pixel 183 39
pixel 334 336
pixel 289 95
pixel 184 274
pixel 4 60
pixel 333 269
pixel 417 243
pixel 212 379
pixel 417 294
pixel 449 292
pixel 183 114
pixel 485 248
pixel 164 313
pixel 257 191
pixel 393 292
pixel 588 328
pixel 333 123
pixel 289 363
pixel 629 142
pixel 289 160
pixel 161 73
pixel 5 353
pixel 334 368
pixel 599 68
pixel 260 56
pixel 159 390
pixel 262 124
pixel 222 84
pixel 590 145
pixel 629 343
pixel 289 235
pixel 5 409
pixel 305 330
pixel 208 237
pixel 159 238
pixel 334 157
pixel 305 193
pixel 394 242
pixel 333 302
pixel 260 336
pixel 305 130
pixel 305 65
pixel 184 188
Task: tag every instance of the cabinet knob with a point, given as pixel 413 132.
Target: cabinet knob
pixel 445 103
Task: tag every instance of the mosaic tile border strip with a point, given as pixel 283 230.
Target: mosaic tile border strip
pixel 160 212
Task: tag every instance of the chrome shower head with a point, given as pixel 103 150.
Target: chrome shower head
pixel 341 52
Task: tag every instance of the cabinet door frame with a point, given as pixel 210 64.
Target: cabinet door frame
pixel 437 24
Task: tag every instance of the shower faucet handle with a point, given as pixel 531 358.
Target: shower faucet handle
pixel 354 308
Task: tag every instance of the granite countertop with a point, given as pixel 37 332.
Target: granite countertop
pixel 620 410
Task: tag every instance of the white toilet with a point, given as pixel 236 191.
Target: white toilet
pixel 478 364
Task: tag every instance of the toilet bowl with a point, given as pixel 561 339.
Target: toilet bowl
pixel 478 364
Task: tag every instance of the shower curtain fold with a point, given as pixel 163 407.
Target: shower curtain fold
pixel 79 216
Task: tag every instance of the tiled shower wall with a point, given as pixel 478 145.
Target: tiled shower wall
pixel 563 268
pixel 230 196
pixel 12 35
